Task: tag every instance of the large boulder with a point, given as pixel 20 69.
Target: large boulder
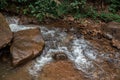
pixel 60 70
pixel 5 32
pixel 26 45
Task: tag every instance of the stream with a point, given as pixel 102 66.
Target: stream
pixel 78 50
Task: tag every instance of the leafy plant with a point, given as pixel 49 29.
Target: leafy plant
pixel 114 5
pixel 43 8
pixel 21 1
pixel 109 17
pixel 3 4
pixel 77 6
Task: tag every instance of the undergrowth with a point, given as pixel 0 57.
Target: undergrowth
pixel 42 9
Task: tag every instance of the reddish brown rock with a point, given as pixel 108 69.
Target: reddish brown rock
pixel 60 70
pixel 26 45
pixel 5 32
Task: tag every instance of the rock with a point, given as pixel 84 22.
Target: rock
pixel 26 45
pixel 59 56
pixel 5 54
pixel 68 39
pixel 107 36
pixel 60 70
pixel 113 29
pixel 20 73
pixel 116 43
pixel 5 32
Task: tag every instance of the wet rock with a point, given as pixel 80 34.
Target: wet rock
pixel 26 45
pixel 68 38
pixel 60 70
pixel 113 29
pixel 20 73
pixel 5 32
pixel 108 36
pixel 116 43
pixel 59 56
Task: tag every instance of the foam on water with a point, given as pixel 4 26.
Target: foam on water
pixel 16 27
pixel 79 51
pixel 82 55
pixel 40 62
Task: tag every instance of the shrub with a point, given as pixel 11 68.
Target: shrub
pixel 109 17
pixel 3 4
pixel 114 5
pixel 58 8
pixel 43 8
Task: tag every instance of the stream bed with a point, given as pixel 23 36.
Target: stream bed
pixel 78 50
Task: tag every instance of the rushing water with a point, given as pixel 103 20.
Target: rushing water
pixel 78 50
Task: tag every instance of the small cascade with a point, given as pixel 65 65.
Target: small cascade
pixel 78 50
pixel 14 26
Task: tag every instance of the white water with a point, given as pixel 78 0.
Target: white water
pixel 15 28
pixel 78 50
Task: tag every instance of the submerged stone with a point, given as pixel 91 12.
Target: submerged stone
pixel 59 56
pixel 26 45
pixel 5 32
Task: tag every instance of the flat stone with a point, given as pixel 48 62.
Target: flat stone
pixel 60 70
pixel 26 45
pixel 5 32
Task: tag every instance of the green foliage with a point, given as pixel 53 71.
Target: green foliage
pixel 61 9
pixel 49 8
pixel 114 5
pixel 77 6
pixel 109 17
pixel 42 9
pixel 20 1
pixel 3 3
